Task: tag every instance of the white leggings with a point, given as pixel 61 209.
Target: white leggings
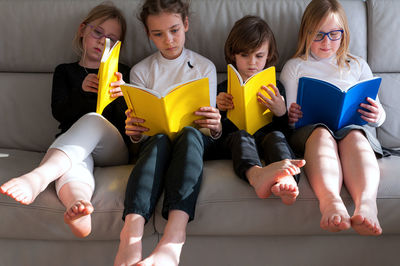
pixel 91 140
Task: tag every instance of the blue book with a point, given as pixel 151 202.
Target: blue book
pixel 324 102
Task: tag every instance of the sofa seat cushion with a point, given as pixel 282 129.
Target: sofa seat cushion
pixel 228 206
pixel 43 219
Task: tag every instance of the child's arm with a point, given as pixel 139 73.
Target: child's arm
pixel 375 114
pixel 276 104
pixel 212 120
pixel 68 100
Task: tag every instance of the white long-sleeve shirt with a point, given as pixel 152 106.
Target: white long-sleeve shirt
pixel 158 73
pixel 328 70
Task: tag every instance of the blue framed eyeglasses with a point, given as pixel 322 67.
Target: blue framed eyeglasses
pixel 334 35
pixel 98 33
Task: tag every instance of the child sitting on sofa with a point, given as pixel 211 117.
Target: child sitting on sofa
pixel 250 48
pixel 349 154
pixel 86 137
pixel 175 168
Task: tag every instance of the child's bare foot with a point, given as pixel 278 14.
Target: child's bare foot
pixel 262 179
pixel 77 217
pixel 365 220
pixel 25 188
pixel 130 246
pixel 286 189
pixel 129 252
pixel 335 217
pixel 165 254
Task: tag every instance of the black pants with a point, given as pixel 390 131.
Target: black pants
pixel 175 168
pixel 246 150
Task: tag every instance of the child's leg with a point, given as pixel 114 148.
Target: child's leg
pixel 184 174
pixel 130 246
pixel 76 197
pixel 143 190
pixel 247 164
pixel 361 177
pixel 26 188
pixel 168 250
pixel 276 149
pixel 95 135
pixel 75 189
pixel 182 185
pixel 262 179
pixel 91 133
pixel 324 173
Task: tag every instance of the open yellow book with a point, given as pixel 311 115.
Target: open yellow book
pixel 170 111
pixel 248 113
pixel 106 74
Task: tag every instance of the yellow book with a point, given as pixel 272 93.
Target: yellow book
pixel 170 111
pixel 248 113
pixel 106 74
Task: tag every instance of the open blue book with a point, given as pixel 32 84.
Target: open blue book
pixel 323 102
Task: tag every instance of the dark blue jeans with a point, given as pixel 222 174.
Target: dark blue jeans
pixel 175 168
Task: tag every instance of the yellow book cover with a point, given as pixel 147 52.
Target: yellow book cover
pixel 106 74
pixel 170 111
pixel 248 113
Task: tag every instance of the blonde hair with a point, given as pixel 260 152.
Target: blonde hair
pixel 102 13
pixel 316 12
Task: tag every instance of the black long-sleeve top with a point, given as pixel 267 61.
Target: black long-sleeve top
pixel 69 102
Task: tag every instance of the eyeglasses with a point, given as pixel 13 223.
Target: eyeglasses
pixel 98 33
pixel 334 35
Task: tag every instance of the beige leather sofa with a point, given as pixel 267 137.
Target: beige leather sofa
pixel 232 226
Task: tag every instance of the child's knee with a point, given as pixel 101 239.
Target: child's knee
pixel 190 136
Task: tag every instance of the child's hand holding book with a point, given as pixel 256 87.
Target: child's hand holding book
pixel 211 120
pixel 115 90
pixel 372 112
pixel 275 102
pixel 132 126
pixel 294 113
pixel 225 101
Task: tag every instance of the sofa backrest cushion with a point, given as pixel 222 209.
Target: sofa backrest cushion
pixel 38 34
pixel 384 59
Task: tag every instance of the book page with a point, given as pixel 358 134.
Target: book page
pixel 146 106
pixel 183 101
pixel 257 115
pixel 106 76
pixel 320 102
pixel 238 114
pixel 356 95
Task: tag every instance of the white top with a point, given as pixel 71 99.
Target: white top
pixel 328 70
pixel 158 73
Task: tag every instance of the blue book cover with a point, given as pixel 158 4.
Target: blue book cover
pixel 324 102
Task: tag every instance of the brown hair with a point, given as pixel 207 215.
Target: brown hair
pixel 316 12
pixel 102 13
pixel 155 7
pixel 248 34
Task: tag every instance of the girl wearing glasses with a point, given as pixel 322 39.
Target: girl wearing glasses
pixel 82 141
pixel 349 154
